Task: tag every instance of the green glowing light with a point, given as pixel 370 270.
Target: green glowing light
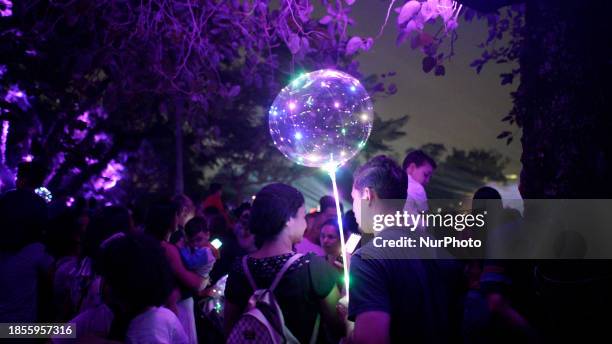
pixel 343 131
pixel 349 279
pixel 361 144
pixel 297 81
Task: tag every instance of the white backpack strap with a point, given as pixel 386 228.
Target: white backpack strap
pixel 315 330
pixel 247 273
pixel 284 269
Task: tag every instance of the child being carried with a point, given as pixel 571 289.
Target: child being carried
pixel 197 253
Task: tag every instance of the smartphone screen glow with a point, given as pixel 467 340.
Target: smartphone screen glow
pixel 216 243
pixel 352 242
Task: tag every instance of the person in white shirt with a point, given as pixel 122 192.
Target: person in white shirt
pixel 419 167
pixel 156 325
pixel 138 281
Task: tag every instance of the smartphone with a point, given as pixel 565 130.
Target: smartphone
pixel 352 242
pixel 216 243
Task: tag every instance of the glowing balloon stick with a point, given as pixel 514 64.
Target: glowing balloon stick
pixel 332 174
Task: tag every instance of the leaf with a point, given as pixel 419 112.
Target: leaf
pixel 451 25
pixel 350 2
pixel 440 70
pixel 428 64
pixel 353 45
pixel 411 26
pixel 503 134
pixel 401 38
pixel 415 42
pixel 507 78
pixel 367 45
pixel 425 38
pixel 379 87
pixel 325 20
pixel 509 140
pixel 392 89
pixel 234 91
pixel 305 44
pixel 408 11
pixel 294 43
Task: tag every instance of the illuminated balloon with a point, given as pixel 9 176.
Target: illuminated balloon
pixel 321 119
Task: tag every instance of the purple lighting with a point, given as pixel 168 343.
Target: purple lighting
pixel 6 8
pixel 17 96
pixel 5 130
pixel 109 177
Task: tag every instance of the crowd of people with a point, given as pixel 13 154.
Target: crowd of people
pixel 134 275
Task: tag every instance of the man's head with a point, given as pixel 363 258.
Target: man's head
pixel 327 204
pixel 30 175
pixel 419 166
pixel 487 198
pixel 380 178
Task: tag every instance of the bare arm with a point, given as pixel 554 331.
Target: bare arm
pixel 329 314
pixel 371 327
pixel 187 278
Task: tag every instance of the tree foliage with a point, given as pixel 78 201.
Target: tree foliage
pixel 110 80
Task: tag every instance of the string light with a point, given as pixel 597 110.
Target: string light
pixel 44 193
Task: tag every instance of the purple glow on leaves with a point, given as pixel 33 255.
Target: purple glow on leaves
pixel 292 106
pixel 5 130
pixel 28 158
pixel 101 137
pixel 84 117
pixel 2 70
pixel 70 202
pixel 6 8
pixel 90 161
pixel 413 16
pixel 17 96
pixel 109 177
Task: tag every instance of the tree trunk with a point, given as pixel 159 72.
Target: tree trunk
pixel 563 100
pixel 179 181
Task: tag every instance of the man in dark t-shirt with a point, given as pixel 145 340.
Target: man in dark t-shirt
pixel 396 297
pixel 417 301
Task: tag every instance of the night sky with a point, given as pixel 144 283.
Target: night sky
pixel 461 109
